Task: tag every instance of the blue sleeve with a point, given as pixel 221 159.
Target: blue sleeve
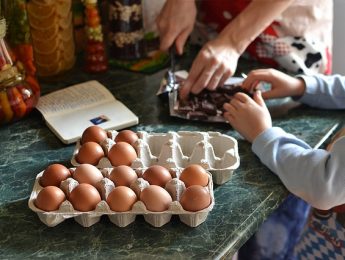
pixel 315 175
pixel 324 91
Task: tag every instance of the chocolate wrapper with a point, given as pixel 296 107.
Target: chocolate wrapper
pixel 165 87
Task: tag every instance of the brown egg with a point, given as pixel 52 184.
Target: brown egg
pixel 54 174
pixel 123 175
pixel 155 198
pixel 87 173
pixel 157 175
pixel 90 152
pixel 84 197
pixel 121 199
pixel 50 198
pixel 194 174
pixel 122 153
pixel 127 136
pixel 195 198
pixel 93 134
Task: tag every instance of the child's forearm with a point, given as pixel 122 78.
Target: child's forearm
pixel 252 21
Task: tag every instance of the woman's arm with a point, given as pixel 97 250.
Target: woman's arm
pixel 253 20
pixel 217 60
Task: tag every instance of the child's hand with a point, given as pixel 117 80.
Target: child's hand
pixel 249 117
pixel 282 85
pixel 336 137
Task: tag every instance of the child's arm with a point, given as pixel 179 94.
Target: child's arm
pixel 324 91
pixel 282 85
pixel 318 90
pixel 317 176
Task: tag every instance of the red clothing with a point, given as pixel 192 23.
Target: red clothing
pixel 277 45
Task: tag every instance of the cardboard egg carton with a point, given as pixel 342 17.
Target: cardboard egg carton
pixel 121 219
pixel 216 152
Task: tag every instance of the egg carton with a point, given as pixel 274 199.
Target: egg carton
pixel 216 152
pixel 121 219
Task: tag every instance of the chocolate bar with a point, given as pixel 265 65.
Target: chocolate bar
pixel 207 105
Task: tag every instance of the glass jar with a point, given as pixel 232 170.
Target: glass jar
pixel 18 36
pixel 17 97
pixel 51 30
pixel 126 29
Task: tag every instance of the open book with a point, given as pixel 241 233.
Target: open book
pixel 69 111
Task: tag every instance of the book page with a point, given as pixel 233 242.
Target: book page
pixel 111 115
pixel 69 111
pixel 76 97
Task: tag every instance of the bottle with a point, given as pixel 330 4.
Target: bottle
pixel 95 56
pixel 126 30
pixel 17 96
pixel 18 36
pixel 78 25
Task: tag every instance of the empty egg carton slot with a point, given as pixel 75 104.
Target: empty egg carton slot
pixel 216 152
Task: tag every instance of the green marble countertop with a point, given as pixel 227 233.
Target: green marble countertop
pixel 242 204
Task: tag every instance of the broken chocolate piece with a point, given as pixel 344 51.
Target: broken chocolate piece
pixel 208 105
pixel 208 108
pixel 197 115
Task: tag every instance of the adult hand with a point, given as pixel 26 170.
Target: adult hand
pixel 215 62
pixel 282 85
pixel 250 117
pixel 175 23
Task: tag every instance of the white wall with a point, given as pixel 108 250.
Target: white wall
pixel 339 37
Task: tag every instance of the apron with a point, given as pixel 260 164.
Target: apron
pixel 299 40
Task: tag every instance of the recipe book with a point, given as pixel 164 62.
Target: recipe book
pixel 69 111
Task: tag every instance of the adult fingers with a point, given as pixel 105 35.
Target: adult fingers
pixel 184 91
pixel 227 74
pixel 206 66
pixel 203 80
pixel 194 74
pixel 181 41
pixel 166 40
pixel 160 21
pixel 215 80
